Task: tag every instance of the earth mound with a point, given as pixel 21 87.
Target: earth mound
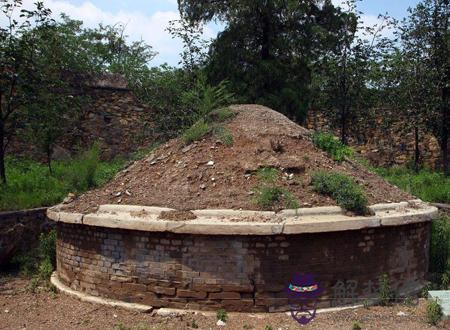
pixel 216 172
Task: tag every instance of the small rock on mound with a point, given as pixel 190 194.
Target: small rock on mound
pixel 211 174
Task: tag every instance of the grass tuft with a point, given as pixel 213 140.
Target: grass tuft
pixel 332 146
pixel 224 135
pixel 343 190
pixel 220 115
pixel 196 132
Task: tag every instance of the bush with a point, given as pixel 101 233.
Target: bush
pixel 343 190
pixel 196 131
pixel 220 115
pixel 332 146
pixel 40 262
pixel 434 311
pixel 81 172
pixel 356 325
pixel 267 174
pixel 385 294
pixel 427 185
pixel 269 196
pixel 222 315
pixel 440 245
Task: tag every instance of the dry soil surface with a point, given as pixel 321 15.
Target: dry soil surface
pixel 210 174
pixel 20 309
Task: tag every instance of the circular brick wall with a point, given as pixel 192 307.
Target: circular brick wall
pixel 238 272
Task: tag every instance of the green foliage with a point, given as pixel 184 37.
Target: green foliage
pixel 220 115
pixel 332 146
pixel 427 185
pixel 434 311
pixel 269 196
pixel 268 327
pixel 222 315
pixel 38 262
pixel 342 189
pixel 180 103
pixel 267 174
pixel 356 325
pixel 31 185
pixel 121 326
pixel 440 245
pixel 194 324
pixel 385 294
pixel 196 132
pixel 223 134
pixel 81 172
pixel 267 48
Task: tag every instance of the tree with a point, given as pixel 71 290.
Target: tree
pixel 266 48
pixel 17 51
pixel 344 75
pixel 425 45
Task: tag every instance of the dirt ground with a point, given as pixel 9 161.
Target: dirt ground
pixel 210 174
pixel 21 309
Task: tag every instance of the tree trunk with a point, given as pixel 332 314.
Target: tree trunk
pixel 444 148
pixel 2 153
pixel 416 149
pixel 49 160
pixel 344 125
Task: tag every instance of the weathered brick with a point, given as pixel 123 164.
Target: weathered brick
pixel 191 294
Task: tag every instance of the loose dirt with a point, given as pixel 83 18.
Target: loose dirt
pixel 210 174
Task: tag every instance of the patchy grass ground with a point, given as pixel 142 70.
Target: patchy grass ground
pixel 20 309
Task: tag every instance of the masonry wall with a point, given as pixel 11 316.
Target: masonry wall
pixel 238 273
pixel 112 117
pixel 382 137
pixel 20 230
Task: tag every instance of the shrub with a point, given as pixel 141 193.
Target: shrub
pixel 196 131
pixel 385 294
pixel 434 311
pixel 80 173
pixel 222 315
pixel 342 189
pixel 332 146
pixel 356 325
pixel 267 174
pixel 440 245
pixel 220 115
pixel 268 196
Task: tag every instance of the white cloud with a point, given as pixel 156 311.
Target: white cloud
pixel 365 19
pixel 150 28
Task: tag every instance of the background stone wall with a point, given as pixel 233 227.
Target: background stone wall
pixel 381 139
pixel 112 116
pixel 20 230
pixel 238 273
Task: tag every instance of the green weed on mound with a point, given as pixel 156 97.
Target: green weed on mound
pixel 342 189
pixel 332 146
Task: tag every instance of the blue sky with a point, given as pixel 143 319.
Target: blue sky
pixel 147 19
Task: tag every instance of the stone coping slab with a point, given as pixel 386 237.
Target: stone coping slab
pixel 245 222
